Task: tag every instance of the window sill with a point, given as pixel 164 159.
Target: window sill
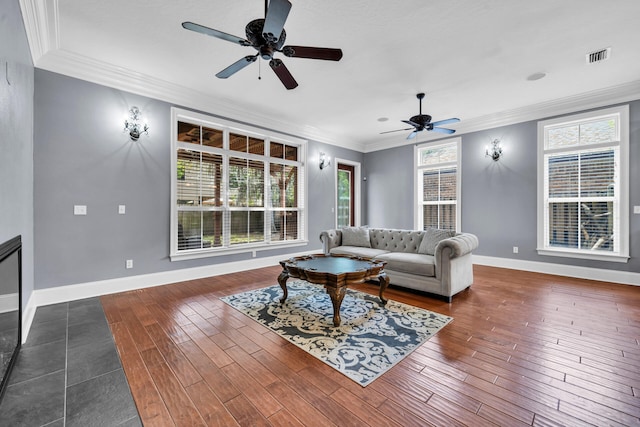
pixel 584 255
pixel 207 253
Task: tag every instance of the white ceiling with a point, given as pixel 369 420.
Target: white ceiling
pixel 471 57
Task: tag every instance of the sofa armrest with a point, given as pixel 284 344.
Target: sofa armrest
pixel 450 259
pixel 330 239
pixel 459 245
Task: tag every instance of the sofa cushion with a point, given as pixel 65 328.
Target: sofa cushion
pixel 357 251
pixel 431 238
pixel 356 236
pixel 392 240
pixel 409 263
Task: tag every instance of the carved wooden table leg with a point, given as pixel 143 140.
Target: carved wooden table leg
pixel 384 282
pixel 282 281
pixel 337 295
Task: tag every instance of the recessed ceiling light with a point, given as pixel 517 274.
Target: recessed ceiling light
pixel 536 76
pixel 383 119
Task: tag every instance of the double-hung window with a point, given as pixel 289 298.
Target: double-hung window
pixel 437 168
pixel 234 188
pixel 583 172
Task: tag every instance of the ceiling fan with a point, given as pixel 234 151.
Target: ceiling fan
pixel 267 36
pixel 423 122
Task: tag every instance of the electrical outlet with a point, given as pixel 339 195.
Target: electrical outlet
pixel 515 249
pixel 129 263
pixel 121 209
pixel 80 209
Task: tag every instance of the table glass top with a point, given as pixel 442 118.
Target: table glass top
pixel 334 265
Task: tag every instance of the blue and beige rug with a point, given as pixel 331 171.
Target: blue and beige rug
pixel 370 340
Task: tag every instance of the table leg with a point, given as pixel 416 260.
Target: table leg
pixel 337 295
pixel 384 282
pixel 282 281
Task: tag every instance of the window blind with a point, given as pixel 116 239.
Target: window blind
pixel 222 197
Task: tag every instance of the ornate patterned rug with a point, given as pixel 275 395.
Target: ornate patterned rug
pixel 370 340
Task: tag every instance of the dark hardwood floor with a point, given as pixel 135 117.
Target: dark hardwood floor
pixel 523 349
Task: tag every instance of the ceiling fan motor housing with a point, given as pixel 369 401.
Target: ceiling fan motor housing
pixel 266 48
pixel 421 119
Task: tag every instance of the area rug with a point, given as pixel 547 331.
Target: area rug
pixel 370 340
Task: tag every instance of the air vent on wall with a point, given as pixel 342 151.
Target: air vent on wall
pixel 598 55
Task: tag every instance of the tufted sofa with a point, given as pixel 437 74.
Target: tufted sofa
pixel 434 261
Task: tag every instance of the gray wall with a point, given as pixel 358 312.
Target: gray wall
pixel 498 198
pixel 82 157
pixel 16 138
pixel 389 188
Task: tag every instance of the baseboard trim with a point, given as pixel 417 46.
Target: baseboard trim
pixel 614 276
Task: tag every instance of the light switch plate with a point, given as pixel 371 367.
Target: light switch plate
pixel 636 209
pixel 121 209
pixel 80 209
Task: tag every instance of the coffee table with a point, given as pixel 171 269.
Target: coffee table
pixel 335 272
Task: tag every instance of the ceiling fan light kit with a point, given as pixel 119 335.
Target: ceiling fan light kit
pixel 423 122
pixel 267 36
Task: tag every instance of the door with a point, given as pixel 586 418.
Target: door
pixel 346 195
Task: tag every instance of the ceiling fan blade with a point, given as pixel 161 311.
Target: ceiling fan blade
pixel 325 53
pixel 274 21
pixel 412 134
pixel 283 74
pixel 236 66
pixel 409 122
pixel 445 122
pixel 214 33
pixel 397 130
pixel 443 130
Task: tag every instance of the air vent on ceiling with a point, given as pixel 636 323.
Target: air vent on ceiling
pixel 598 55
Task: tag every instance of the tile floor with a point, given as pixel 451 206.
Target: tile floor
pixel 68 373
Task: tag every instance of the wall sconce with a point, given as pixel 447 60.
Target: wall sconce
pixel 133 125
pixel 324 161
pixel 494 151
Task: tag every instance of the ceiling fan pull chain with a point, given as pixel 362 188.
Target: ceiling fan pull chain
pixel 259 70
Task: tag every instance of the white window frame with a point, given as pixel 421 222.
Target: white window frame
pixel 621 197
pixel 418 220
pixel 228 127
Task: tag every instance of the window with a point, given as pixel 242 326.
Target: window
pixel 233 189
pixel 438 185
pixel 583 185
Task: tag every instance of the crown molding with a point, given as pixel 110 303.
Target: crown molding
pixel 594 99
pixel 41 25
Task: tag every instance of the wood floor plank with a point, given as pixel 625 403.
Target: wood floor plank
pixel 264 402
pixel 305 412
pixel 259 373
pixel 172 355
pixel 211 349
pixel 284 418
pixel 209 406
pixel 523 349
pixel 180 406
pixel 245 413
pixel 209 371
pixel 365 412
pixel 150 404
